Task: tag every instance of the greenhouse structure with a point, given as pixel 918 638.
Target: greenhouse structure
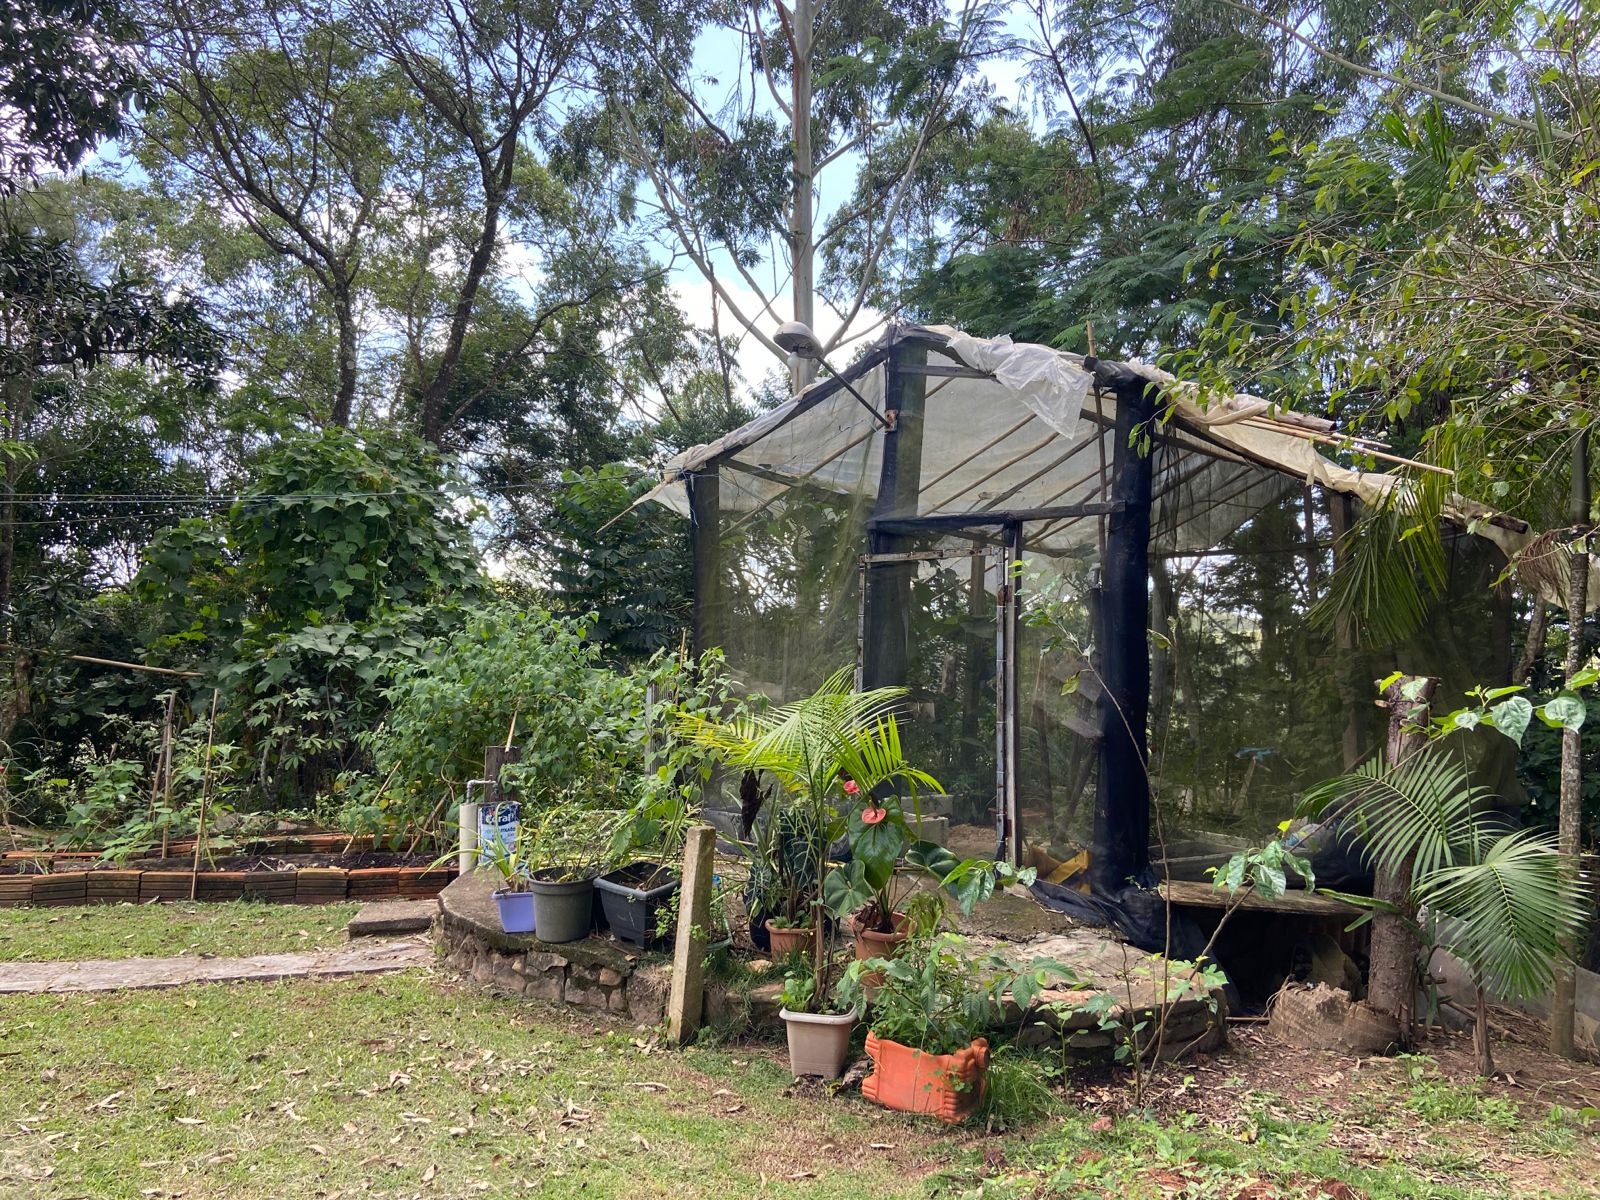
pixel 1097 588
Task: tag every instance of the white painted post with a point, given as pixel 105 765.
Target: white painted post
pixel 694 920
pixel 467 847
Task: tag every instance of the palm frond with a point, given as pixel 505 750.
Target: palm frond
pixel 1510 912
pixel 1416 811
pixel 1392 565
pixel 809 743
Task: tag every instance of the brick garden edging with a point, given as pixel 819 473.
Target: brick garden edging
pixel 303 885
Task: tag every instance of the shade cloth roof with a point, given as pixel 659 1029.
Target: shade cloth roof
pixel 1011 426
pixel 1016 426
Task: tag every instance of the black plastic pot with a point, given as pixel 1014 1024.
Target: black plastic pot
pixel 631 897
pixel 563 909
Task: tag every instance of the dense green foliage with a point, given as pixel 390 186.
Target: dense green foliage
pixel 365 326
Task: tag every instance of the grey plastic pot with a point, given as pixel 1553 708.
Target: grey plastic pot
pixel 818 1042
pixel 631 908
pixel 563 910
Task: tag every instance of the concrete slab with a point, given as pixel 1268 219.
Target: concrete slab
pixel 384 918
pixel 109 975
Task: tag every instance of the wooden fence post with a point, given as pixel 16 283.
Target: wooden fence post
pixel 694 920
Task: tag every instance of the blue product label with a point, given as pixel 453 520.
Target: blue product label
pixel 498 823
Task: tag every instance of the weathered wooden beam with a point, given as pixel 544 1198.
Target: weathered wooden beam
pixel 687 998
pixel 885 642
pixel 705 541
pixel 997 516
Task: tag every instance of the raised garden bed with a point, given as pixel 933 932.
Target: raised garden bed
pixel 313 878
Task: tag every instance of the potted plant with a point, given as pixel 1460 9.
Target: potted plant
pixel 818 1033
pixel 514 896
pixel 933 1006
pixel 632 896
pixel 812 748
pixel 573 845
pixel 882 874
pixel 783 857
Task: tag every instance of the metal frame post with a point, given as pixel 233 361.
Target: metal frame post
pixel 1008 612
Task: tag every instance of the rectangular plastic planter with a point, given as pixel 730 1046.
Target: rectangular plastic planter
pixel 632 896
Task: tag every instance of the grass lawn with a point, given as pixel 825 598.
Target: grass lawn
pixel 160 930
pixel 411 1085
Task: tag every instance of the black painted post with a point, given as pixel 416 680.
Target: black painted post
pixel 1121 849
pixel 705 537
pixel 886 628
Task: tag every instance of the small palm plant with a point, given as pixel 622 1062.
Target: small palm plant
pixel 813 747
pixel 1505 903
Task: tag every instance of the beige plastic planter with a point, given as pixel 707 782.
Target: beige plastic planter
pixel 818 1042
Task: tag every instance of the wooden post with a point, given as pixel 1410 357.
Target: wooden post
pixel 1008 608
pixel 1392 979
pixel 494 759
pixel 205 798
pixel 694 921
pixel 1121 848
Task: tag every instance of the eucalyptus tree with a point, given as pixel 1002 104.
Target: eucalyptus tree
pixel 274 124
pixel 377 168
pixel 738 162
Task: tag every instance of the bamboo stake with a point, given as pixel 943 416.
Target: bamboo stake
pixel 165 771
pixel 205 796
pixel 104 662
pixel 1332 440
pixel 161 754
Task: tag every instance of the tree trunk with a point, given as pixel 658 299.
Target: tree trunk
pixel 801 233
pixel 18 388
pixel 1569 832
pixel 1480 1036
pixel 1392 981
pixel 344 402
pixel 1533 645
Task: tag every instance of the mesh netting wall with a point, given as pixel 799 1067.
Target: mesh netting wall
pixel 1251 700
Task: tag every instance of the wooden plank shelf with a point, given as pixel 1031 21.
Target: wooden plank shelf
pixel 1194 894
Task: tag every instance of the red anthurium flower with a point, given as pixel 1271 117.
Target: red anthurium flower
pixel 873 815
pixel 851 787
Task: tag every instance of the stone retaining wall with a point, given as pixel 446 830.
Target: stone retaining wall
pixel 595 973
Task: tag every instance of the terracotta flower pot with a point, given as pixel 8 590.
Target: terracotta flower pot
pixel 818 1042
pixel 789 941
pixel 947 1086
pixel 873 943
